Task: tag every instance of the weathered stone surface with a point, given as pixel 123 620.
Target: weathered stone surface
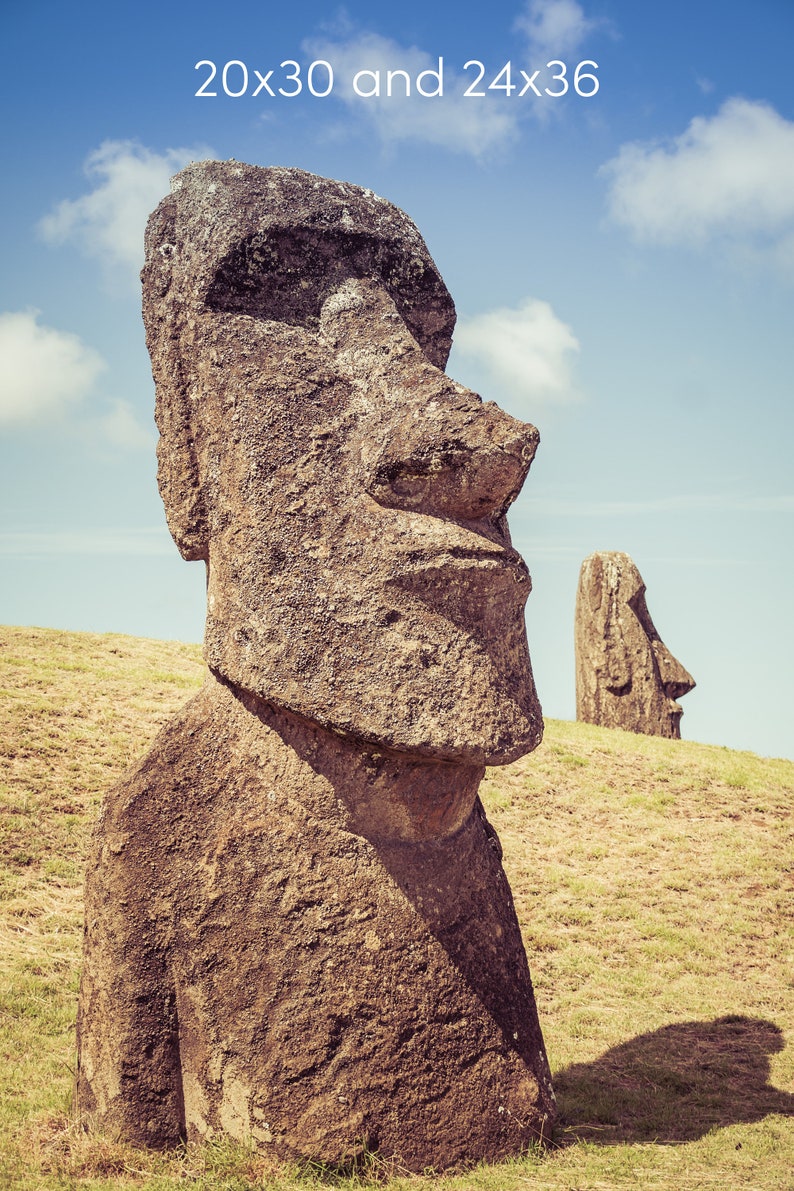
pixel 626 676
pixel 298 928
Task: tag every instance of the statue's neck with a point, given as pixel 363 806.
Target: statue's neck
pixel 376 792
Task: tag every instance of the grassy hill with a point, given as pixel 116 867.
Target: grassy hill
pixel 654 882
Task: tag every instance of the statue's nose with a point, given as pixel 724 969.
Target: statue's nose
pixel 446 460
pixel 676 680
pixel 427 444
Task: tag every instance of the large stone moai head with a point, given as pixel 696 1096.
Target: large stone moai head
pixel 626 676
pixel 348 498
pixel 324 950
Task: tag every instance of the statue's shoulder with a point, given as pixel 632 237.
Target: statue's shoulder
pixel 177 761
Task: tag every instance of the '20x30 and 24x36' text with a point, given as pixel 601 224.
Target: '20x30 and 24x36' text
pixel 318 79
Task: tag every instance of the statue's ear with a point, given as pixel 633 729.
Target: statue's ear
pixel 604 600
pixel 619 668
pixel 178 481
pixel 177 472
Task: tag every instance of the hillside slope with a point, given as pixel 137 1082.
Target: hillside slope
pixel 653 881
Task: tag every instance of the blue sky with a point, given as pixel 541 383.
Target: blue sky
pixel 622 264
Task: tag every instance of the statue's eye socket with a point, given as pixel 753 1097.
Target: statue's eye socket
pixel 276 276
pixel 285 275
pixel 640 610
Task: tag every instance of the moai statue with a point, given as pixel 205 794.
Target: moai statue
pixel 626 676
pixel 298 928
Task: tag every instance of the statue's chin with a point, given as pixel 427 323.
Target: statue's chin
pixel 446 701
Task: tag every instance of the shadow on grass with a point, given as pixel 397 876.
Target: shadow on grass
pixel 673 1085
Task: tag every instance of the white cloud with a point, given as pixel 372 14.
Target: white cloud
pixel 472 125
pixel 109 221
pixel 46 373
pixel 729 175
pixel 43 371
pixel 121 428
pixel 553 27
pixel 525 353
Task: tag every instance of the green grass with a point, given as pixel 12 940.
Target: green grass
pixel 653 880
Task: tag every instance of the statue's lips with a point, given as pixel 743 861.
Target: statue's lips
pixel 498 566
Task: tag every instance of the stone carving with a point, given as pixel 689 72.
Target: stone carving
pixel 298 926
pixel 626 676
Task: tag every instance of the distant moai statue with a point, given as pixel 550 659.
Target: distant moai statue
pixel 626 676
pixel 298 928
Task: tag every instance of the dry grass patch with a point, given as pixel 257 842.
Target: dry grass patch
pixel 653 880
